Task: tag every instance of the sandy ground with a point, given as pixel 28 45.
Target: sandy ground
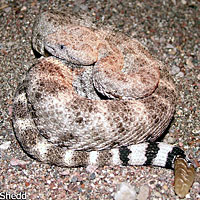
pixel 171 31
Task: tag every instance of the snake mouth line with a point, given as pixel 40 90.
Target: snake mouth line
pixel 72 62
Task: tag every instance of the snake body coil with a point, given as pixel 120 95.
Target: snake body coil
pixel 56 125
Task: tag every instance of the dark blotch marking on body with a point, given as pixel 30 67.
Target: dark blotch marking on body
pixel 123 154
pixel 151 152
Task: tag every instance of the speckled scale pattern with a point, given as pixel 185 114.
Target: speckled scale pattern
pixel 55 125
pixel 78 123
pixel 51 21
pixel 69 120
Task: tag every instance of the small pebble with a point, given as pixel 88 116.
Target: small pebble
pixel 66 172
pixel 17 162
pixel 180 74
pixel 91 168
pixel 7 9
pixel 125 192
pixel 157 194
pixel 92 176
pixel 183 2
pixel 5 145
pixel 172 51
pixel 74 179
pixel 169 46
pixel 171 140
pixel 144 193
pixel 165 187
pixel 24 8
pixel 175 70
pixel 189 63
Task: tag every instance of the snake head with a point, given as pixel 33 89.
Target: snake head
pixel 57 50
pixel 72 45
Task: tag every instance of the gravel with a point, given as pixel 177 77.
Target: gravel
pixel 170 29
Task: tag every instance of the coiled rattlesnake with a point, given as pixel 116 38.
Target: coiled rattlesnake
pixel 56 125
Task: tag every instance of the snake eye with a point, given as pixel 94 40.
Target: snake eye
pixel 62 46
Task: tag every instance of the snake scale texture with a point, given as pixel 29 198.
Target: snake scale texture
pixel 131 105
